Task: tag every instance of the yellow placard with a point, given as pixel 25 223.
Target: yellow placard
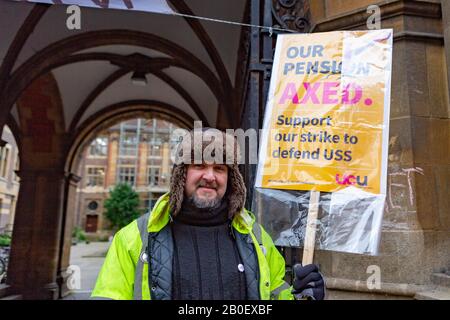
pixel 327 115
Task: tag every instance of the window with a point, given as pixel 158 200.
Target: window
pixel 155 150
pixel 99 147
pixel 155 146
pixel 4 154
pixel 129 144
pixel 127 175
pixel 93 205
pixel 153 176
pixel 95 176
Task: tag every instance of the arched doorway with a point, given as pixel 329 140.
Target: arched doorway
pixel 130 146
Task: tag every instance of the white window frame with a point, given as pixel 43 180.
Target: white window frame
pixel 95 176
pixel 93 144
pixel 128 174
pixel 131 149
pixel 150 175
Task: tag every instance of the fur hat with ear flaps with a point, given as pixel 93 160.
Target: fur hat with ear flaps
pixel 225 149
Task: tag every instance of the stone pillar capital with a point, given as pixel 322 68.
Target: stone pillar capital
pixel 32 173
pixel 72 177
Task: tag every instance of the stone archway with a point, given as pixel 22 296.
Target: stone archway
pixel 51 126
pixel 49 146
pixel 49 155
pixel 63 52
pixel 220 83
pixel 89 129
pixel 37 221
pixel 42 234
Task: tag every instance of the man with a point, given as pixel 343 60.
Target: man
pixel 199 242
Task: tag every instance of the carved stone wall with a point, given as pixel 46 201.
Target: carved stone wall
pixel 416 225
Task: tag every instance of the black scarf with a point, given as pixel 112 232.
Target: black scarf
pixel 206 260
pixel 191 215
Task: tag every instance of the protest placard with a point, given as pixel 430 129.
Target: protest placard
pixel 327 119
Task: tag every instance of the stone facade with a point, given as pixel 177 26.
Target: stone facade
pixel 415 238
pixel 9 181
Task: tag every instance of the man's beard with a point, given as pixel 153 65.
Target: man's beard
pixel 210 204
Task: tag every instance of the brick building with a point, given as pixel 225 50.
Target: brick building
pixel 137 152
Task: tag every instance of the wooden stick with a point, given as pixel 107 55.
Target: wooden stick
pixel 310 236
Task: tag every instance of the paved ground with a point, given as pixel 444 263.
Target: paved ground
pixel 89 259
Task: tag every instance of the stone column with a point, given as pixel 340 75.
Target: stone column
pixel 113 153
pixel 446 26
pixel 416 224
pixel 37 234
pixel 38 225
pixel 166 161
pixel 141 173
pixel 12 211
pixel 70 197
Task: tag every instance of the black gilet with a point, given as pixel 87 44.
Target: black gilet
pixel 206 263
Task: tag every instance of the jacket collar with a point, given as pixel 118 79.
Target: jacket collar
pixel 160 217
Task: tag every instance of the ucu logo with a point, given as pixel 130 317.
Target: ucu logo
pixel 351 180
